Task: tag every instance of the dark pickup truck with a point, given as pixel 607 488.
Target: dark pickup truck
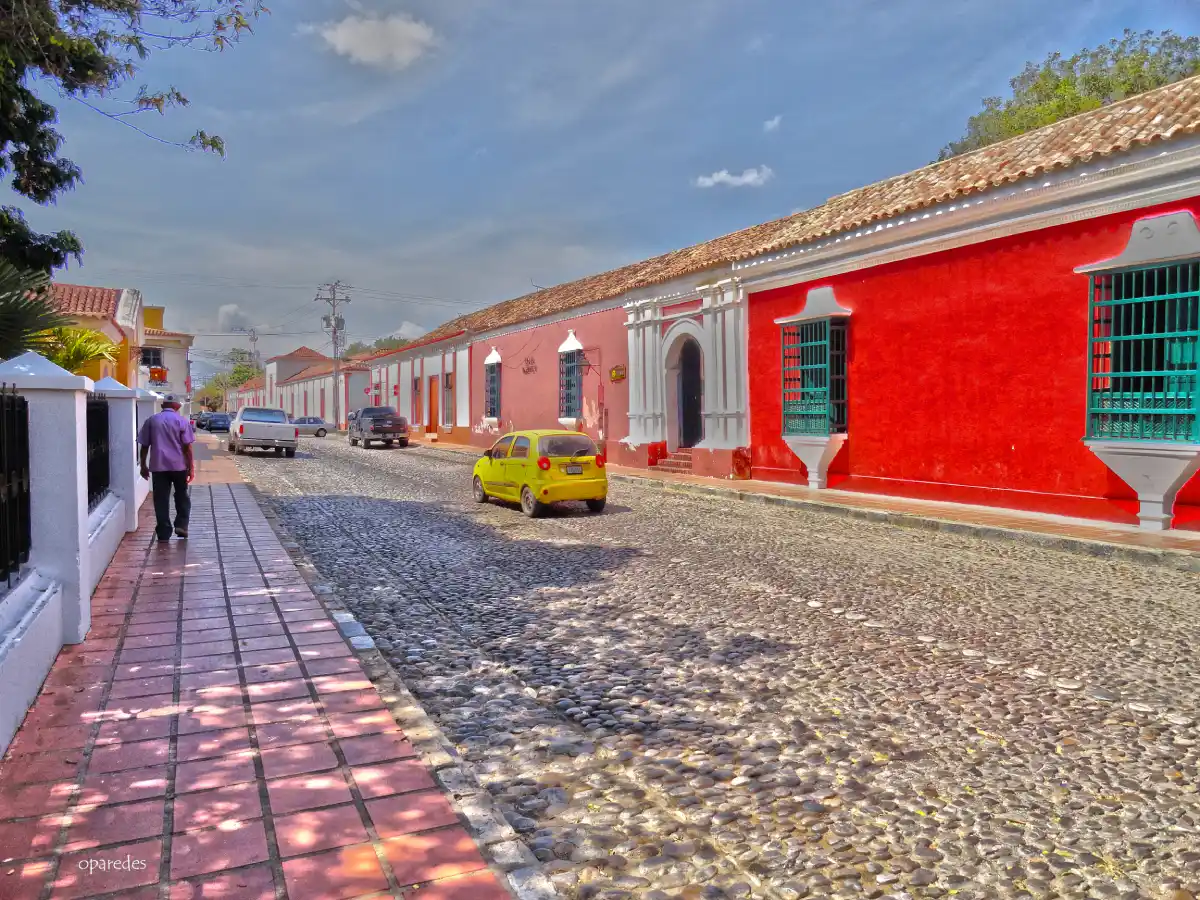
pixel 378 423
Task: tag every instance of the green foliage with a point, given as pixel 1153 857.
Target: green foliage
pixel 27 311
pixel 211 397
pixel 378 346
pixel 241 373
pixel 75 348
pixel 86 51
pixel 1057 88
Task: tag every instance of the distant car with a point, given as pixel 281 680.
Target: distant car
pixel 218 422
pixel 202 419
pixel 537 468
pixel 314 425
pixel 266 428
pixel 377 423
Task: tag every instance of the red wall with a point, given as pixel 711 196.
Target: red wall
pixel 530 400
pixel 966 368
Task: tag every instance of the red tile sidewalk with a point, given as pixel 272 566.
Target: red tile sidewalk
pixel 215 737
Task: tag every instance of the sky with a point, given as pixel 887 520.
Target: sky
pixel 441 155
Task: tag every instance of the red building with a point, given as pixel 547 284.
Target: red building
pixel 1018 326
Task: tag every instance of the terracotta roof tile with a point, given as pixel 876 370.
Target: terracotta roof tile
pixel 84 300
pixel 300 353
pixel 439 334
pixel 254 384
pixel 161 332
pixel 323 368
pixel 1159 115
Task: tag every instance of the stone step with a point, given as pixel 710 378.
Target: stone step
pixel 675 468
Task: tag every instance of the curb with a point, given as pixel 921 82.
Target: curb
pixel 1180 560
pixel 508 857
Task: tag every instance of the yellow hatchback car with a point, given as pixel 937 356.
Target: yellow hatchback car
pixel 537 468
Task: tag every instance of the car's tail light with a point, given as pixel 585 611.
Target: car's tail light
pixel 297 433
pixel 600 461
pixel 241 429
pixel 544 463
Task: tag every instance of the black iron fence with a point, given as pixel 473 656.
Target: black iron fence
pixel 97 449
pixel 14 483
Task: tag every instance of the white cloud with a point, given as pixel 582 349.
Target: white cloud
pixel 393 42
pixel 772 124
pixel 230 318
pixel 409 331
pixel 749 178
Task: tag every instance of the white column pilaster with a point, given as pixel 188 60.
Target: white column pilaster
pixel 57 481
pixel 633 378
pixel 123 426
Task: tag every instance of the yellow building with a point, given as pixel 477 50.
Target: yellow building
pixel 148 356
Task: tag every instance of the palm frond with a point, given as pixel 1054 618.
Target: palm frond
pixel 27 311
pixel 75 348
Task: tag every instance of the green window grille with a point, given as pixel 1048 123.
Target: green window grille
pixel 1145 369
pixel 570 384
pixel 492 394
pixel 814 377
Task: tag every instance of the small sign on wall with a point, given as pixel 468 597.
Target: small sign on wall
pixel 616 374
pixel 529 366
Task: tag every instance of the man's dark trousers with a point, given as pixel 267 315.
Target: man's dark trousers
pixel 162 483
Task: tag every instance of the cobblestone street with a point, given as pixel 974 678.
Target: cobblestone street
pixel 696 699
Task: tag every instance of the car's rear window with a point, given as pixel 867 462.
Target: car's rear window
pixel 264 415
pixel 378 411
pixel 566 445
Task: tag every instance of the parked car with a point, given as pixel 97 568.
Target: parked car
pixel 314 425
pixel 202 419
pixel 269 429
pixel 537 468
pixel 218 422
pixel 377 423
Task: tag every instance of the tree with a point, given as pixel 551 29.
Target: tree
pixel 241 373
pixel 27 311
pixel 75 348
pixel 378 346
pixel 1058 88
pixel 87 50
pixel 212 395
pixel 211 398
pixel 242 369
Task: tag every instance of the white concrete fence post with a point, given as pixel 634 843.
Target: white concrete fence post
pixel 147 405
pixel 58 481
pixel 123 427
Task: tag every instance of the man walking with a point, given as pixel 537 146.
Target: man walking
pixel 165 443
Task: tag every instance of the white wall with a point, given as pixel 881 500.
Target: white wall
pixel 175 359
pixel 405 381
pixel 462 388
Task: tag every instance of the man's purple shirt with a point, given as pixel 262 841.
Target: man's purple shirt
pixel 166 434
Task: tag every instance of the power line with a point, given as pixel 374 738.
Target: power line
pixel 193 279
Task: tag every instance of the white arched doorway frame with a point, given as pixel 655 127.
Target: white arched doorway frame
pixel 672 346
pixel 719 326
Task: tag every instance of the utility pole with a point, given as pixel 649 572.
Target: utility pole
pixel 252 334
pixel 335 324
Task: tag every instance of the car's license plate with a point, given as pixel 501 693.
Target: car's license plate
pixel 574 470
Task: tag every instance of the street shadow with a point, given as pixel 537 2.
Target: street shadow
pixel 533 605
pixel 565 509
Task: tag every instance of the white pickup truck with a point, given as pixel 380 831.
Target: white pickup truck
pixel 269 429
